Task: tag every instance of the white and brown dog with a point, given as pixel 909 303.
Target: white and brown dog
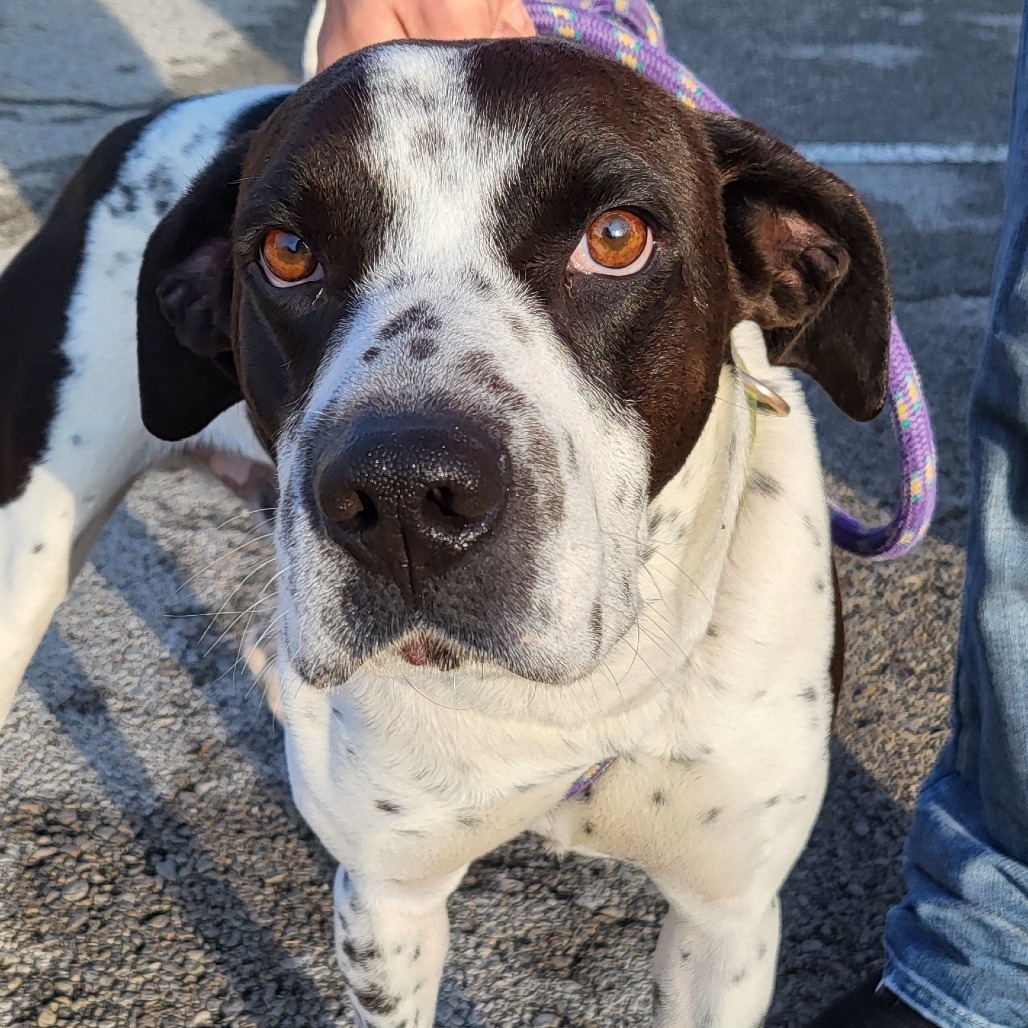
pixel 488 328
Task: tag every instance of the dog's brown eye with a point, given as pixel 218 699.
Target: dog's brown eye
pixel 617 239
pixel 287 259
pixel 616 243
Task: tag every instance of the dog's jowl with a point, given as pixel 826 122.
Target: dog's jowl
pixel 486 308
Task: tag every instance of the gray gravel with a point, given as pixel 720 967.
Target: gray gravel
pixel 152 868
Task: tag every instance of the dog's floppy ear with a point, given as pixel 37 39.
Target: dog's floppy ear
pixel 811 265
pixel 187 376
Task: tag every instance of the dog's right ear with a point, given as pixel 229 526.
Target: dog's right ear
pixel 187 375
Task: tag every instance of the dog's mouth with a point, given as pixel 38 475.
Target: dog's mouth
pixel 420 649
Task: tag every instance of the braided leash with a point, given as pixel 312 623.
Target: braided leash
pixel 630 31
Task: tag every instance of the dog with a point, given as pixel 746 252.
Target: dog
pixel 489 323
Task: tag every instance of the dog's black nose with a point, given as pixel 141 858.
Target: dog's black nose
pixel 409 496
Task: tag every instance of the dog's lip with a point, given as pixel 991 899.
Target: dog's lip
pixel 421 649
pixel 415 651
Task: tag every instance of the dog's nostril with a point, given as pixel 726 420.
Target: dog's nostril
pixel 351 509
pixel 455 508
pixel 439 501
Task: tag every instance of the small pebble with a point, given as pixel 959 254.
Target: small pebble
pixel 75 891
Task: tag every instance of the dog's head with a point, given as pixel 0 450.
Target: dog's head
pixel 478 299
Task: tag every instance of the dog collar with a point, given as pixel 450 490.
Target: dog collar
pixel 587 777
pixel 630 31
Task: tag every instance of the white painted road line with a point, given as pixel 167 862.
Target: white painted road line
pixel 902 153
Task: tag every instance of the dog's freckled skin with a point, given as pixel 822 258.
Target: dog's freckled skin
pixel 543 646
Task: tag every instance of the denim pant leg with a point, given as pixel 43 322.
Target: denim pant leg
pixel 957 944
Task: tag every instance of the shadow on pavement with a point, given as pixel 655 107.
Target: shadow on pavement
pixel 208 903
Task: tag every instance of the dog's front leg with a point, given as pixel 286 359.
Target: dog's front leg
pixel 714 966
pixel 391 941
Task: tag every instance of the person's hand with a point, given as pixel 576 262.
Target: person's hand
pixel 351 24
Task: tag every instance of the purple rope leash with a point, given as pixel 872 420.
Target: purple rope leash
pixel 630 31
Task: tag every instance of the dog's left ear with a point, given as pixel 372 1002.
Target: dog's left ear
pixel 811 266
pixel 187 375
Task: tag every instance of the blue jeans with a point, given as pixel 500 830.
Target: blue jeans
pixel 957 944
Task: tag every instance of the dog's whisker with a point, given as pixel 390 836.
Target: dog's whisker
pixel 685 574
pixel 217 560
pixel 244 514
pixel 260 567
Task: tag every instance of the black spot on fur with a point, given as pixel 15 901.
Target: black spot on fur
pixel 38 548
pixel 740 975
pixel 370 354
pixel 659 798
pixel 480 283
pixel 765 484
pixel 422 348
pixel 416 955
pixel 418 316
pixel 773 801
pixel 712 630
pixel 588 828
pixel 470 820
pixel 762 951
pixel 375 999
pixel 76 440
pixel 428 143
pixel 572 453
pixel 596 623
pixel 518 328
pixel 809 694
pixel 386 807
pixel 685 956
pixel 682 760
pixel 710 816
pixel 820 585
pixel 359 956
pixel 126 199
pixel 815 535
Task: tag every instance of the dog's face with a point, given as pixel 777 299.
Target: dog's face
pixel 478 299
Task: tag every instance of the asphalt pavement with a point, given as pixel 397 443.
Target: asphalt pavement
pixel 152 868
